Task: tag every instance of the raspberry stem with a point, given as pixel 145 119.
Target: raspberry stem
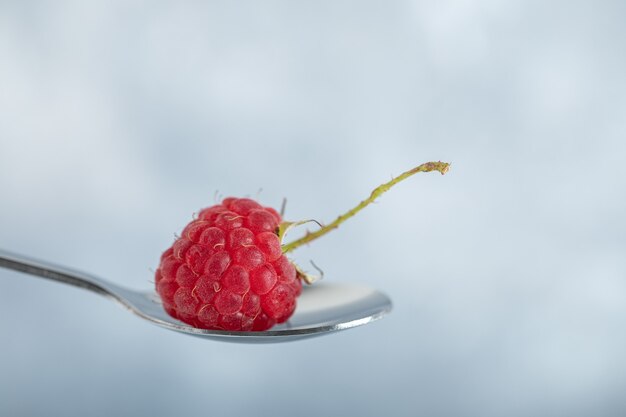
pixel 442 167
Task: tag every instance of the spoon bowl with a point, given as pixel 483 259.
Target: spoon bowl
pixel 322 309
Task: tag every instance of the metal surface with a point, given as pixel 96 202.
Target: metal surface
pixel 322 308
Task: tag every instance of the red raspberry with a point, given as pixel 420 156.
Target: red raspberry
pixel 227 270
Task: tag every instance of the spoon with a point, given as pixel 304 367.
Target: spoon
pixel 322 308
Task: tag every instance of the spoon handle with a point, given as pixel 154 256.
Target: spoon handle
pixel 58 273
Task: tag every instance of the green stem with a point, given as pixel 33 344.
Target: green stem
pixel 427 167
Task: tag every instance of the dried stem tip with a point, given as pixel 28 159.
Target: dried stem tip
pixel 427 167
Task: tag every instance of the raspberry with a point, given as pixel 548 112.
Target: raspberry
pixel 227 270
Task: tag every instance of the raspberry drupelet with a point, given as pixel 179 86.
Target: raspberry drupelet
pixel 227 270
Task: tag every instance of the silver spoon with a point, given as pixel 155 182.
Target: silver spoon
pixel 322 308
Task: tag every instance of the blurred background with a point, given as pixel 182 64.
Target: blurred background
pixel 120 119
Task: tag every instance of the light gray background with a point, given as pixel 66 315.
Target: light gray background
pixel 120 119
